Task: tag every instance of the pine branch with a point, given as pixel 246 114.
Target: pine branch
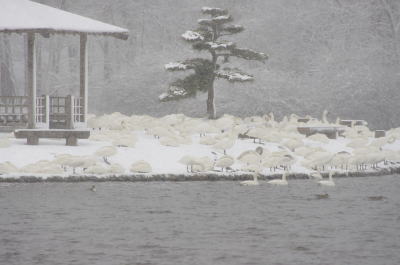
pixel 214 11
pixel 214 46
pixel 173 93
pixel 177 66
pixel 200 80
pixel 197 64
pixel 232 29
pixel 234 75
pixel 210 22
pixel 191 36
pixel 205 32
pixel 248 54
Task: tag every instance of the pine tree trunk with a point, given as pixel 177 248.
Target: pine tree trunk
pixel 211 111
pixel 212 114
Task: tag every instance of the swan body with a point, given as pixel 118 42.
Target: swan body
pixel 316 175
pixel 329 182
pixel 253 182
pixel 281 182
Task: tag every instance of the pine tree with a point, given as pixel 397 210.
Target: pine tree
pixel 207 37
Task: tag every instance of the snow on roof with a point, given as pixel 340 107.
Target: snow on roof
pixel 18 16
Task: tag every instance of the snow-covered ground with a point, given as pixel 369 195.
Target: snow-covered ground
pixel 142 144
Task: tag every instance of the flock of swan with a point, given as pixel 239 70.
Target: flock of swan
pixel 258 144
pixel 283 181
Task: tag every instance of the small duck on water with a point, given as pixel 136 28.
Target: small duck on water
pixel 322 196
pixel 376 198
pixel 93 188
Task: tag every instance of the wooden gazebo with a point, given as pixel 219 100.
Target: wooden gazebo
pixel 44 116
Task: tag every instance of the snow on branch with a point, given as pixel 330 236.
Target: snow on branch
pixel 222 19
pixel 173 93
pixel 220 45
pixel 215 20
pixel 233 29
pixel 175 66
pixel 214 11
pixel 234 75
pixel 249 54
pixel 205 21
pixel 211 45
pixel 192 36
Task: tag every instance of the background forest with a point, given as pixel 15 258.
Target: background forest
pixel 339 55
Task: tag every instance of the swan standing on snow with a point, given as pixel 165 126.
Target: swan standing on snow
pixel 253 182
pixel 328 183
pixel 281 182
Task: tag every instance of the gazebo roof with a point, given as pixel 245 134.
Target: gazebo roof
pixel 20 16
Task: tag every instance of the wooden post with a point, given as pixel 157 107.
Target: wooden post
pixel 46 110
pixel 380 133
pixel 71 140
pixel 31 73
pixel 69 112
pixel 83 92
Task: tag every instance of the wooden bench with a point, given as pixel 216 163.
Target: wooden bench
pixel 380 133
pixel 33 135
pixel 351 123
pixel 330 132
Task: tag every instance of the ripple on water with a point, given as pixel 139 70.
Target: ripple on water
pixel 201 223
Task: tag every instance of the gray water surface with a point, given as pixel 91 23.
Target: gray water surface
pixel 201 223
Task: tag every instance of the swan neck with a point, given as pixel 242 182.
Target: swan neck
pixel 255 177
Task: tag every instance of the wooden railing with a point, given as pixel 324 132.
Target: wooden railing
pixel 58 109
pixel 51 112
pixel 78 115
pixel 42 112
pixel 13 110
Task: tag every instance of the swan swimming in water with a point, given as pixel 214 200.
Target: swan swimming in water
pixel 329 182
pixel 281 182
pixel 316 175
pixel 253 182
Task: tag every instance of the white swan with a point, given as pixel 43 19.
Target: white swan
pixel 316 175
pixel 282 181
pixel 253 182
pixel 328 183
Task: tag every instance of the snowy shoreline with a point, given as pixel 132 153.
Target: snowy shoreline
pixel 180 148
pixel 215 176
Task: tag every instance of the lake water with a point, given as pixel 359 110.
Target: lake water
pixel 201 223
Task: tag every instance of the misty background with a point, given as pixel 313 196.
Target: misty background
pixel 339 55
